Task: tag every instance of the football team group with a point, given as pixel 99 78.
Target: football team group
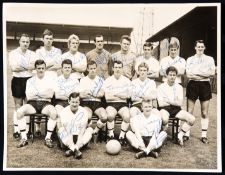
pixel 71 87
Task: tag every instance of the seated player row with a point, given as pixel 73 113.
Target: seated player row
pixel 116 88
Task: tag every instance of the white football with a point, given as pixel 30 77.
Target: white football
pixel 113 147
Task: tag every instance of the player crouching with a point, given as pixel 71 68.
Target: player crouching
pixel 145 134
pixel 73 131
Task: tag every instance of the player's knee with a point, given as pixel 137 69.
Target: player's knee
pixel 165 120
pixel 126 118
pixel 103 116
pixel 164 116
pixel 20 113
pixel 53 114
pixel 110 118
pixel 191 120
pixel 103 119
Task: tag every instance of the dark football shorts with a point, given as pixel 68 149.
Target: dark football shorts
pixel 38 105
pixel 146 139
pixel 63 103
pixel 117 105
pixel 172 110
pixel 198 89
pixel 18 86
pixel 93 105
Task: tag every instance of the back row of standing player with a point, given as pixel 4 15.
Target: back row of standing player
pixel 198 69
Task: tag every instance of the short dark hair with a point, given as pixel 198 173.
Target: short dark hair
pixel 148 44
pixel 39 62
pixel 47 32
pixel 199 41
pixel 126 37
pixel 173 44
pixel 96 36
pixel 171 69
pixel 67 61
pixel 146 100
pixel 143 64
pixel 74 95
pixel 117 62
pixel 24 35
pixel 91 63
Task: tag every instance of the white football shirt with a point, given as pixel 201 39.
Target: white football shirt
pixel 18 60
pixel 113 86
pixel 93 86
pixel 141 89
pixel 74 123
pixel 172 93
pixel 79 61
pixel 52 56
pixel 147 126
pixel 177 62
pixel 39 88
pixel 204 65
pixel 65 86
pixel 152 63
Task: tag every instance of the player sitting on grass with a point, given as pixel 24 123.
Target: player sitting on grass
pixel 73 131
pixel 145 134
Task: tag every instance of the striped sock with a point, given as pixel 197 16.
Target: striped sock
pixel 204 123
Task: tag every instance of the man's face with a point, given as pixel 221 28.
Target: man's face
pixel 147 108
pixel 117 69
pixel 73 46
pixel 147 51
pixel 92 70
pixel 200 48
pixel 173 52
pixel 142 71
pixel 40 70
pixel 66 69
pixel 24 42
pixel 125 45
pixel 99 43
pixel 48 40
pixel 171 77
pixel 74 103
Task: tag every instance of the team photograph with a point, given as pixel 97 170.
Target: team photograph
pixel 112 87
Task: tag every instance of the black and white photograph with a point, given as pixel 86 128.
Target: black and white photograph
pixel 112 87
